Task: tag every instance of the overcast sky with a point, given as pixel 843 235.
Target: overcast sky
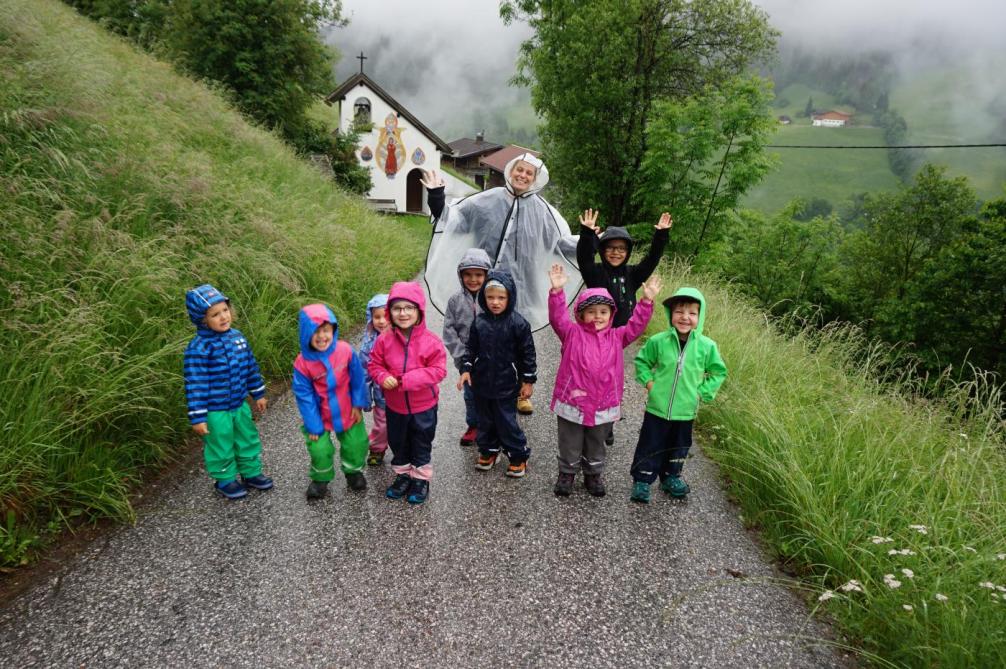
pixel 445 59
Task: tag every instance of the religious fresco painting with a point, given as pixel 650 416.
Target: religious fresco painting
pixel 390 149
pixel 418 157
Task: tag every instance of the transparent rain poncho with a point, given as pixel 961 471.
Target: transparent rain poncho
pixel 524 235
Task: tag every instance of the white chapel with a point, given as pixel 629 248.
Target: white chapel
pixel 393 144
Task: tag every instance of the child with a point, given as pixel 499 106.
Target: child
pixel 461 311
pixel 614 271
pixel 331 391
pixel 679 367
pixel 377 322
pixel 408 361
pixel 220 372
pixel 499 365
pixel 591 377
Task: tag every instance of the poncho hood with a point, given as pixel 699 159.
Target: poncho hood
pixel 540 174
pixel 310 319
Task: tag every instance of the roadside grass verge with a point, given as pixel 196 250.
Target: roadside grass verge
pixel 855 481
pixel 122 185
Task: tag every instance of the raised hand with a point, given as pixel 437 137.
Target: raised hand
pixel 557 275
pixel 665 222
pixel 589 220
pixel 432 180
pixel 652 287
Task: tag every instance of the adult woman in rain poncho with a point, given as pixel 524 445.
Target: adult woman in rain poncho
pixel 521 232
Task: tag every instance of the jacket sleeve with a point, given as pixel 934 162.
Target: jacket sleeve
pixel 376 367
pixel 716 374
pixel 558 315
pixel 436 197
pixel 586 249
pixel 642 271
pixel 527 366
pixel 256 386
pixel 307 403
pixel 433 371
pixel 452 331
pixel 637 322
pixel 646 360
pixel 359 394
pixel 471 349
pixel 197 389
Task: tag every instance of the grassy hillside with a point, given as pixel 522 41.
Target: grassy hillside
pixel 834 175
pixel 122 185
pixel 857 483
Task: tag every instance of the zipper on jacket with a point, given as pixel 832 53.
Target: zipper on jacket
pixel 677 375
pixel 405 366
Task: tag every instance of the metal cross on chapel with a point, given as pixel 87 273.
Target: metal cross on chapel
pixel 361 58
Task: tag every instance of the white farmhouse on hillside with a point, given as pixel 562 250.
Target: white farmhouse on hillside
pixel 394 145
pixel 831 119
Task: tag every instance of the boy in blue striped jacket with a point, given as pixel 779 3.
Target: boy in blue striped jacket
pixel 220 372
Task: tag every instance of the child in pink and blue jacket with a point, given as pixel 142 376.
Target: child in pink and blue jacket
pixel 591 377
pixel 331 391
pixel 408 361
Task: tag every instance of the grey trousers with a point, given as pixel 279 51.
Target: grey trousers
pixel 582 446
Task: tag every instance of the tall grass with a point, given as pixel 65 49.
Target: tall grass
pixel 859 483
pixel 122 185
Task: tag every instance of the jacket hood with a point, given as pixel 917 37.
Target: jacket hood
pixel 612 234
pixel 593 292
pixel 311 317
pixel 540 174
pixel 694 294
pixel 378 301
pixel 474 258
pixel 411 292
pixel 511 288
pixel 198 301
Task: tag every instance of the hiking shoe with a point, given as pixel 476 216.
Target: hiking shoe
pixel 594 484
pixel 230 489
pixel 640 492
pixel 418 491
pixel 525 407
pixel 317 489
pixel 260 482
pixel 468 438
pixel 356 481
pixel 564 484
pixel 398 487
pixel 375 459
pixel 516 471
pixel 486 462
pixel 675 487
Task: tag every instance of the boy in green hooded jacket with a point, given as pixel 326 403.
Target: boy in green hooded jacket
pixel 680 368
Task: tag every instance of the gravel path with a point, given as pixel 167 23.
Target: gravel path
pixel 489 572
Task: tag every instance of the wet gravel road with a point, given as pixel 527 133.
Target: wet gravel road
pixel 489 572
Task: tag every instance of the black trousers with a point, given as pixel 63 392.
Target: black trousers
pixel 410 436
pixel 499 430
pixel 662 448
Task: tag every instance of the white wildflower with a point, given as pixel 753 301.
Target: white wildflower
pixel 907 607
pixel 995 595
pixel 902 551
pixel 1001 556
pixel 970 549
pixel 962 435
pixel 852 586
pixel 881 540
pixel 1000 588
pixel 891 582
pixel 987 584
pixel 940 597
pixel 825 596
pixel 908 573
pixel 921 529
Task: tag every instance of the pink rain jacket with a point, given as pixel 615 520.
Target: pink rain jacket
pixel 417 358
pixel 591 376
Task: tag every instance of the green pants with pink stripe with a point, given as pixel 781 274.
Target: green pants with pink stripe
pixel 233 445
pixel 353 447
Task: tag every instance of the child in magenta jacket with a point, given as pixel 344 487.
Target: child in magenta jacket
pixel 408 362
pixel 591 377
pixel 331 391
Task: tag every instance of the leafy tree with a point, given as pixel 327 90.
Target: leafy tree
pixel 808 111
pixel 702 154
pixel 805 210
pixel 597 69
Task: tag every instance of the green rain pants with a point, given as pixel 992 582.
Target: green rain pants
pixel 232 446
pixel 353 448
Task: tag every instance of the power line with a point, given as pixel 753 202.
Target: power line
pixel 901 146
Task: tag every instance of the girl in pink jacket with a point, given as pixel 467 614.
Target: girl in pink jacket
pixel 409 361
pixel 591 377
